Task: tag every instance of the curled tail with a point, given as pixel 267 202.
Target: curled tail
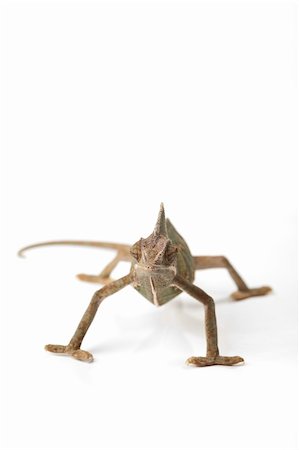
pixel 122 248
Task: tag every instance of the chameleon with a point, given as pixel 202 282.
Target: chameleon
pixel 162 267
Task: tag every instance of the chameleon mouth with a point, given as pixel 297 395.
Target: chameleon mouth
pixel 157 269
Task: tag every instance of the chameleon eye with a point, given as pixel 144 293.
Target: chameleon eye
pixel 171 253
pixel 135 250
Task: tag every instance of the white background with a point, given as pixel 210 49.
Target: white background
pixel 108 109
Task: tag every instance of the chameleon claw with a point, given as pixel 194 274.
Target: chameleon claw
pixel 254 292
pixel 202 361
pixel 80 355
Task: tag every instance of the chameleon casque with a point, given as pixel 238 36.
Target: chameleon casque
pixel 162 266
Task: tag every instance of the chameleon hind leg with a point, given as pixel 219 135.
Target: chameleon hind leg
pixel 213 262
pixel 104 277
pixel 212 356
pixel 74 346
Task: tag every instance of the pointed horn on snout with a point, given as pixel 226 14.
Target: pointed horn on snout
pixel 160 227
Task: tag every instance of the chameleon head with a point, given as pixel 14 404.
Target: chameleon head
pixel 155 257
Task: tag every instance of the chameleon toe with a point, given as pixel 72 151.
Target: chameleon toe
pixel 53 348
pixel 200 361
pixel 82 355
pixel 254 292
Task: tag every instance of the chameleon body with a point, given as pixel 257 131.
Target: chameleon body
pixel 162 266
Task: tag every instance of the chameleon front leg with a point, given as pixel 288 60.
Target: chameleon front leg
pixel 73 348
pixel 104 276
pixel 213 262
pixel 212 357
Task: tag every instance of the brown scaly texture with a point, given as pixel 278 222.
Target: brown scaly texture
pixel 162 266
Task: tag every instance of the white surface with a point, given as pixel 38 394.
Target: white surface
pixel 111 108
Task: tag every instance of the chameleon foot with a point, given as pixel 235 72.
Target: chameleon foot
pixel 201 361
pixel 254 292
pixel 79 354
pixel 94 278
